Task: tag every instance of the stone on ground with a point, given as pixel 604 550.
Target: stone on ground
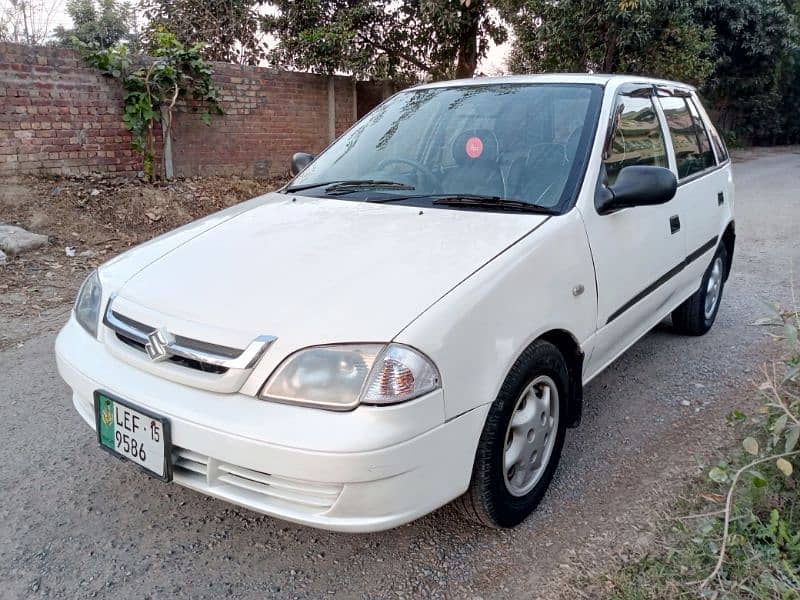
pixel 16 240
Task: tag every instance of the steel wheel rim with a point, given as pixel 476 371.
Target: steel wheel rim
pixel 713 288
pixel 530 436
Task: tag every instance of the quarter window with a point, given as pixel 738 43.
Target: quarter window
pixel 637 138
pixel 692 146
pixel 716 140
pixel 719 145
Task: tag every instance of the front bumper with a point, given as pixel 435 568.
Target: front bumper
pixel 370 469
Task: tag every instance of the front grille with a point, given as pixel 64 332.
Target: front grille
pixel 179 360
pixel 309 494
pixel 255 487
pixel 171 347
pixel 187 460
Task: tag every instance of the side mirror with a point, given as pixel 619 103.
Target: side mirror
pixel 637 185
pixel 300 161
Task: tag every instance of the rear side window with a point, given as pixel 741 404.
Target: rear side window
pixel 719 145
pixel 716 139
pixel 689 138
pixel 637 138
pixel 703 140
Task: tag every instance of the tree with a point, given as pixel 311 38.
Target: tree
pixel 789 83
pixel 408 40
pixel 755 53
pixel 742 54
pixel 651 37
pixel 154 85
pixel 27 21
pixel 102 22
pixel 227 28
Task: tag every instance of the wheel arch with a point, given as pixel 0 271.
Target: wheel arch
pixel 729 239
pixel 573 355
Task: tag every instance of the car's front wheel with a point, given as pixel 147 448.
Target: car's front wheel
pixel 521 442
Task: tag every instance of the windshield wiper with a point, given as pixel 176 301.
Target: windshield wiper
pixel 498 202
pixel 308 186
pixel 345 187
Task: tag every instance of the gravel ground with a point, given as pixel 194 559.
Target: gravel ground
pixel 75 523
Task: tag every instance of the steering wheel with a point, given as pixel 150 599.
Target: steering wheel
pixel 421 170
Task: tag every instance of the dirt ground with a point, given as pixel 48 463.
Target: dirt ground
pixel 89 220
pixel 74 524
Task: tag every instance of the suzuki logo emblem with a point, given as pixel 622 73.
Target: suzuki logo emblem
pixel 157 346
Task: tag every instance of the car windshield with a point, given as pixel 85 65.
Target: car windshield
pixel 481 144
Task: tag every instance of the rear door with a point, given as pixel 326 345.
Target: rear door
pixel 636 251
pixel 705 187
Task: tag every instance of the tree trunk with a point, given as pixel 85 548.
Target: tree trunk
pixel 468 45
pixel 609 59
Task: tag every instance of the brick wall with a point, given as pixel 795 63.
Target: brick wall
pixel 59 116
pixel 269 115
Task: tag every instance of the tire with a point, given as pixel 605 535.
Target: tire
pixel 698 313
pixel 493 498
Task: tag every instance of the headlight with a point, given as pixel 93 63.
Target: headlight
pixel 87 306
pixel 341 377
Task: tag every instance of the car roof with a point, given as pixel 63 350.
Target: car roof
pixel 596 79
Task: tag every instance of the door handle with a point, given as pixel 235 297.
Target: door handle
pixel 720 198
pixel 674 224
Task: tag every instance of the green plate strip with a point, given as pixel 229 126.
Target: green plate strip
pixel 107 422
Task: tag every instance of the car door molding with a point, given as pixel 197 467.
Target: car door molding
pixel 693 256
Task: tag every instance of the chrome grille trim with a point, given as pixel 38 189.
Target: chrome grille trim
pixel 190 349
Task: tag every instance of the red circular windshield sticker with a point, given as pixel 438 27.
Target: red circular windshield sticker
pixel 474 147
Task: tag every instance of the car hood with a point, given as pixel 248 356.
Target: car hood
pixel 314 270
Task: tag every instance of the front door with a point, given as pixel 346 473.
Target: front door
pixel 636 251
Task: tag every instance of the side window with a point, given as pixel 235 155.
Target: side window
pixel 719 145
pixel 716 139
pixel 706 153
pixel 637 138
pixel 689 139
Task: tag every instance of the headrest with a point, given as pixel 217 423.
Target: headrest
pixel 476 145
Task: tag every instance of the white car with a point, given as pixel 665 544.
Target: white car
pixel 413 318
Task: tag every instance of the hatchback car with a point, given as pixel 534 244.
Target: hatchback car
pixel 413 318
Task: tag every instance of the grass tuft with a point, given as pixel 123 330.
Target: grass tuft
pixel 738 534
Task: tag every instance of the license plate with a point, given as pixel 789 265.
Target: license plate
pixel 133 433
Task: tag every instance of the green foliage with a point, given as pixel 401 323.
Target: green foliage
pixel 404 41
pixel 742 538
pixel 755 53
pixel 104 23
pixel 228 29
pixel 789 86
pixel 174 71
pixel 742 54
pixel 653 37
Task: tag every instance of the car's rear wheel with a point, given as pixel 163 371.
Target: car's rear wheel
pixel 698 313
pixel 521 442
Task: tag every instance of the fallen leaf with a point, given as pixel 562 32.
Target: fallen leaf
pixel 750 446
pixel 718 475
pixel 792 437
pixel 711 497
pixel 785 466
